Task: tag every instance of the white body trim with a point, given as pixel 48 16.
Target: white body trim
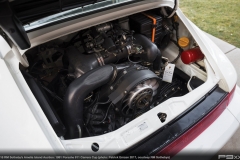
pixel 20 131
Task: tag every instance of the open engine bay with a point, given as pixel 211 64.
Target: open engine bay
pixel 99 79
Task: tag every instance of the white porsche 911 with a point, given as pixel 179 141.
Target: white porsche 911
pixel 111 77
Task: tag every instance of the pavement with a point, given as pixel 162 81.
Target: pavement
pixel 233 54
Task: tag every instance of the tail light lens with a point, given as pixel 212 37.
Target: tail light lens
pixel 186 138
pixel 231 94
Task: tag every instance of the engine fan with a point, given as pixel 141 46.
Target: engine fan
pixel 133 90
pixel 140 98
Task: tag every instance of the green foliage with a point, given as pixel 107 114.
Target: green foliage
pixel 221 18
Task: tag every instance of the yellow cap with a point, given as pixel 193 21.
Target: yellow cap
pixel 183 42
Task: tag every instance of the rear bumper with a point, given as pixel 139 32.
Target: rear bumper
pixel 178 134
pixel 212 139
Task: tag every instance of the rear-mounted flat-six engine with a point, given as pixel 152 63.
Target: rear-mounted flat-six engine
pixel 104 76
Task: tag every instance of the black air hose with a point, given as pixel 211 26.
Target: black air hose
pixel 151 52
pixel 77 91
pixel 157 62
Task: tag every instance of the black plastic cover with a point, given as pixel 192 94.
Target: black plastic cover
pixel 144 25
pixel 195 82
pixel 12 26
